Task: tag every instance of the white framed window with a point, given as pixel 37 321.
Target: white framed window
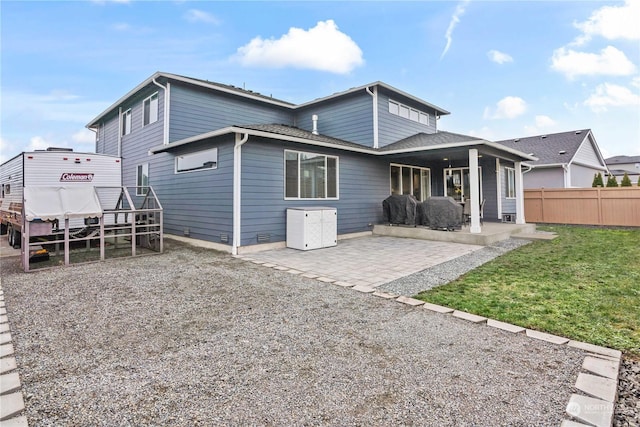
pixel 310 176
pixel 126 122
pixel 150 110
pixel 142 179
pixel 511 183
pixel 201 160
pixel 398 109
pixel 404 179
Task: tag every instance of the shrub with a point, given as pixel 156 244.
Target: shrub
pixel 597 180
pixel 626 181
pixel 612 181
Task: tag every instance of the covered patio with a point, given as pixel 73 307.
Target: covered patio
pixel 485 174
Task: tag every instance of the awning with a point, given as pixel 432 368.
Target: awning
pixel 49 203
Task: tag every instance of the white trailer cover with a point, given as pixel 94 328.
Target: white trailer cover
pixel 49 203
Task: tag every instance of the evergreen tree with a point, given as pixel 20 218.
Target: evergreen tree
pixel 626 181
pixel 612 181
pixel 597 180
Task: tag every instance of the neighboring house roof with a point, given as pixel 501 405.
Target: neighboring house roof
pixel 417 143
pixel 230 89
pixel 554 149
pixel 617 160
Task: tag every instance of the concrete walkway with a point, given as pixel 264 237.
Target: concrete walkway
pixel 365 261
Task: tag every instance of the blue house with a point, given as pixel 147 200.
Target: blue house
pixel 226 162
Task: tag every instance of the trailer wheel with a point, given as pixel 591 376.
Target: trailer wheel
pixel 10 236
pixel 3 229
pixel 14 238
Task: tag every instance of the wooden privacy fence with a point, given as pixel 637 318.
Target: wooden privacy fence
pixel 589 206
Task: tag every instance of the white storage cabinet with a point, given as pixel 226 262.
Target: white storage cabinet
pixel 312 228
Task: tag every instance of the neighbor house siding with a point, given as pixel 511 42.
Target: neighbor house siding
pixel 349 118
pixel 363 184
pixel 582 176
pixel 544 178
pixel 195 111
pixel 392 128
pixel 587 155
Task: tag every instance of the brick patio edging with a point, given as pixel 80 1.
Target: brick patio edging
pixel 11 400
pixel 597 383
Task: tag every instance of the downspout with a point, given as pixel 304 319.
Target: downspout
pixel 567 175
pixel 499 187
pixel 237 186
pixel 165 128
pixel 119 131
pixel 374 95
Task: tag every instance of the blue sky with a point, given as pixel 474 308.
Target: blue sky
pixel 504 69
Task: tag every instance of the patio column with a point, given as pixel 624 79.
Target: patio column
pixel 474 184
pixel 519 195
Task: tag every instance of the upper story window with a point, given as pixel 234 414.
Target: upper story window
pixel 310 176
pixel 407 112
pixel 202 160
pixel 511 183
pixel 150 110
pixel 126 122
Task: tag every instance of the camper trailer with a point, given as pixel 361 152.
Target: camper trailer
pixel 52 169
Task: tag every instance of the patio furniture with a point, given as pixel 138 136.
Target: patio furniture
pixel 400 209
pixel 443 213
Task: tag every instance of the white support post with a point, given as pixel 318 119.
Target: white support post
pixel 519 195
pixel 474 184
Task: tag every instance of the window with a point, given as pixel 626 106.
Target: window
pixel 511 183
pixel 411 180
pixel 142 179
pixel 126 122
pixel 310 176
pixel 407 112
pixel 202 160
pixel 457 183
pixel 150 109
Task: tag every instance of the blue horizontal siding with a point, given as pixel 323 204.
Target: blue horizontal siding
pixel 195 111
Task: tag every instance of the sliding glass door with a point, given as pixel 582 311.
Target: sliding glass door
pixel 410 180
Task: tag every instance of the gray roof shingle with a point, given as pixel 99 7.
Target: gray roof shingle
pixel 551 148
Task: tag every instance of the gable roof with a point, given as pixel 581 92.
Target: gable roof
pixel 551 149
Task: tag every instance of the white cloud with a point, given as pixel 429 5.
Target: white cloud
pixel 544 121
pixel 636 82
pixel 611 95
pixel 322 47
pixel 84 137
pixel 121 26
pixel 508 107
pixel 610 61
pixel 38 143
pixel 612 22
pixel 195 15
pixel 455 19
pixel 499 57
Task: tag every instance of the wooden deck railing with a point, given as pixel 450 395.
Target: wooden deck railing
pixel 587 206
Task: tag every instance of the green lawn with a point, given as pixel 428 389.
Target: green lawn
pixel 583 285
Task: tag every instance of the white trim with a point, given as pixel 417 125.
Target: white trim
pixel 175 163
pixel 499 187
pixel 515 195
pixel 363 149
pixel 237 191
pixel 126 117
pixel 519 194
pixel 475 190
pixel 401 165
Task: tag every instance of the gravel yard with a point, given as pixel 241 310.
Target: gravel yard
pixel 194 337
